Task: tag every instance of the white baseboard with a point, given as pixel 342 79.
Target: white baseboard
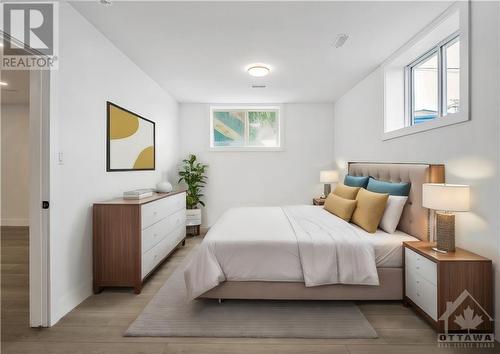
pixel 63 305
pixel 14 222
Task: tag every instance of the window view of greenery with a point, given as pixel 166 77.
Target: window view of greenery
pixel 245 128
pixel 435 83
pixel 263 129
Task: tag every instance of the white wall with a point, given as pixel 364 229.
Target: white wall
pixel 15 164
pixel 91 71
pixel 262 178
pixel 469 150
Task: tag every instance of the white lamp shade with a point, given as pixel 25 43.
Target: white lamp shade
pixel 446 197
pixel 328 176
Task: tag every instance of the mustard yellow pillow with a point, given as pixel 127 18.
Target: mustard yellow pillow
pixel 369 210
pixel 346 192
pixel 339 206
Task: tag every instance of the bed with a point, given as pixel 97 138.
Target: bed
pixel 285 253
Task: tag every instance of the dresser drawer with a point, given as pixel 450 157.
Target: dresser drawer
pixel 421 265
pixel 158 231
pixel 154 234
pixel 159 251
pixel 177 219
pixel 422 292
pixel 155 211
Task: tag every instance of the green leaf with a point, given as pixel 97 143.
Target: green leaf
pixel 193 174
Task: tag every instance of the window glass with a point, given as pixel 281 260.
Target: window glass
pixel 229 128
pixel 452 91
pixel 263 129
pixel 425 90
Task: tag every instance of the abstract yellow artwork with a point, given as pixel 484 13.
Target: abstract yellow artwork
pixel 130 140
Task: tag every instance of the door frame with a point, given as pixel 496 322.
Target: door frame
pixel 39 250
pixel 39 227
pixel 39 191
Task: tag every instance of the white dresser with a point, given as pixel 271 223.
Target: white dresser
pixel 132 237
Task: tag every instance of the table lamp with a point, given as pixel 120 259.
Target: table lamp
pixel 445 199
pixel 328 177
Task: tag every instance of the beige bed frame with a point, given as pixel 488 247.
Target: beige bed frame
pixel 414 221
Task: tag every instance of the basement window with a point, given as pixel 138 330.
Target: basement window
pixel 237 128
pixel 433 83
pixel 426 81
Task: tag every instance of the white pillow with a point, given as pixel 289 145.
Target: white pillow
pixel 392 213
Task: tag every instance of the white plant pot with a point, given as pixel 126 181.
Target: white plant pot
pixel 193 217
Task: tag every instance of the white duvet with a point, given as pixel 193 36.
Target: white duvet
pixel 294 243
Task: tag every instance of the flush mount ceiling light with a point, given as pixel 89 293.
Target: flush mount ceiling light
pixel 258 70
pixel 341 39
pixel 3 83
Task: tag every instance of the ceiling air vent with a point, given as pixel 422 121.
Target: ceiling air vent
pixel 258 86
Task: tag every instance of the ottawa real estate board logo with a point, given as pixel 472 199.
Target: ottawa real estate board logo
pixel 29 32
pixel 466 324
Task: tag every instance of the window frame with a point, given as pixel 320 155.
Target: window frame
pixel 394 121
pixel 247 108
pixel 440 50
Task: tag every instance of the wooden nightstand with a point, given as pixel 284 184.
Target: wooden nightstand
pixel 435 284
pixel 319 201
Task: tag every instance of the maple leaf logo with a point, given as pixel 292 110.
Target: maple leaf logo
pixel 468 320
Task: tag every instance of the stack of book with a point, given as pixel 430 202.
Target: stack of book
pixel 138 194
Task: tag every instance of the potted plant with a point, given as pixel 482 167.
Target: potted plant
pixel 192 173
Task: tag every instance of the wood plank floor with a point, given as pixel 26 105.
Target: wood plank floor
pixel 97 325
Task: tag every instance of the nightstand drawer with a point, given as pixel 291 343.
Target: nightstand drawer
pixel 420 265
pixel 422 292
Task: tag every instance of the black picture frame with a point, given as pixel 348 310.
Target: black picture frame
pixel 108 152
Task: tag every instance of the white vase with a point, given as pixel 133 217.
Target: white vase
pixel 164 186
pixel 193 217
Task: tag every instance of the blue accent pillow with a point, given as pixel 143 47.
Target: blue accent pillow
pixel 356 181
pixel 397 188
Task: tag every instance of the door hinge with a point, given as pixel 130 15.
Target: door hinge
pixel 45 204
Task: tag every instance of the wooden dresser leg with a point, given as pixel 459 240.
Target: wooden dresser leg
pixel 137 289
pixel 184 242
pixel 97 289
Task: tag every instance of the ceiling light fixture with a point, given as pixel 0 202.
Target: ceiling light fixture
pixel 341 39
pixel 258 70
pixel 3 83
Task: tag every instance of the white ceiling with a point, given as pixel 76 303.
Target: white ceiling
pixel 198 50
pixel 18 89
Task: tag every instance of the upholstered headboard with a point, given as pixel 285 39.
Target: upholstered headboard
pixel 415 218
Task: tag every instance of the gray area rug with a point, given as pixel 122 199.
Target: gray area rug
pixel 169 314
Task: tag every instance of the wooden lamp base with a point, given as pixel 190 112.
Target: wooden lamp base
pixel 445 232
